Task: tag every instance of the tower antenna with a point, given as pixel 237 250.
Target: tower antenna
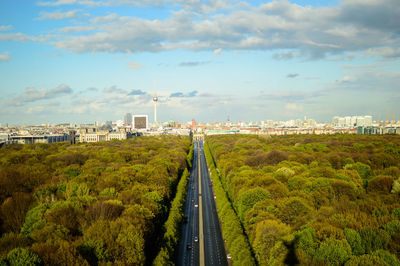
pixel 155 100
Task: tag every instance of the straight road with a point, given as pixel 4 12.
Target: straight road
pixel 213 241
pixel 188 249
pixel 212 252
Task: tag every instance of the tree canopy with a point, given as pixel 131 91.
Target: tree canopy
pixel 88 204
pixel 310 199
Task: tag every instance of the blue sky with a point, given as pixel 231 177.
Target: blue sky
pixel 83 61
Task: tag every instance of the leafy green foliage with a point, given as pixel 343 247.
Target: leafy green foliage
pixel 97 203
pixel 22 257
pixel 248 198
pixel 355 241
pixel 336 252
pixel 335 199
pixel 374 239
pixel 237 243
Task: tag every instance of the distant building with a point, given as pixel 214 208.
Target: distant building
pixel 31 139
pixel 352 121
pixel 72 137
pixel 91 135
pixel 140 122
pixel 128 119
pixel 377 130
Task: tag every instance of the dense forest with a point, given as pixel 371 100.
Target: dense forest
pixel 88 204
pixel 311 200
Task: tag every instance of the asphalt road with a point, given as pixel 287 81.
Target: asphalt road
pixel 213 241
pixel 185 255
pixel 214 251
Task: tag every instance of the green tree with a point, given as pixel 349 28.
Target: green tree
pixel 247 199
pixel 22 257
pixel 365 260
pixel 334 252
pixel 374 239
pixel 355 241
pixel 267 234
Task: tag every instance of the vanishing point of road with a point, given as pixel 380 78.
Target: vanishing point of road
pixel 201 241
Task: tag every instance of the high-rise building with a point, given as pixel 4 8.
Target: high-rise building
pixel 128 119
pixel 352 121
pixel 140 122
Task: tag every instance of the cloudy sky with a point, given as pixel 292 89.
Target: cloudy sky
pixel 84 60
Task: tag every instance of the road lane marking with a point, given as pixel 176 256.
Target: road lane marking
pixel 201 233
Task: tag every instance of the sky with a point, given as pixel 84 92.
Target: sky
pixel 81 61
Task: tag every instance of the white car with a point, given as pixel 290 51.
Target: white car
pixel 196 205
pixel 196 239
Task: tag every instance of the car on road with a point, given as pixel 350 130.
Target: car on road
pixel 196 239
pixel 196 205
pixel 188 247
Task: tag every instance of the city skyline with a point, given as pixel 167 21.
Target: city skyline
pixel 84 61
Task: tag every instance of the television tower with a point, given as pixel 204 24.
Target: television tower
pixel 155 100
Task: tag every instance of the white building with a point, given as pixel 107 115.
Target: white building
pixel 352 121
pixel 86 135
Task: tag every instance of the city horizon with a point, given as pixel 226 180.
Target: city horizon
pixel 83 61
pixel 102 122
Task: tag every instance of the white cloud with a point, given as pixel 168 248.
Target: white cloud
pixel 114 90
pixel 70 2
pixel 33 94
pixel 19 37
pixel 385 52
pixel 70 29
pixel 5 57
pixel 196 5
pixel 34 110
pixel 280 25
pixel 217 51
pixel 59 15
pixel 5 27
pixel 293 107
pixel 134 65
